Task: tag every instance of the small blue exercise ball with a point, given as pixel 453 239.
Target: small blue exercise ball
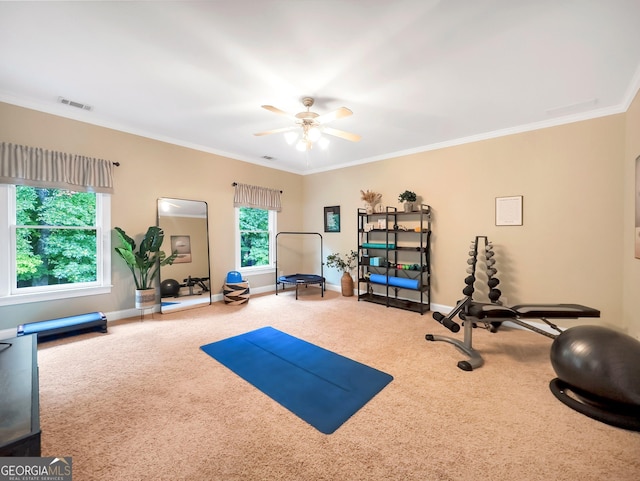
pixel 234 277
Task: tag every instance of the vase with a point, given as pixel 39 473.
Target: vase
pixel 369 208
pixel 408 206
pixel 346 282
pixel 145 298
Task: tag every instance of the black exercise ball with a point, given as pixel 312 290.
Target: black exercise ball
pixel 169 288
pixel 599 361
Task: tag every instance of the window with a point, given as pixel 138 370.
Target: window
pixel 54 243
pixel 255 239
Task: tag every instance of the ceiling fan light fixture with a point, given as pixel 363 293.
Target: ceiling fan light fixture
pixel 312 127
pixel 323 143
pixel 314 134
pixel 290 137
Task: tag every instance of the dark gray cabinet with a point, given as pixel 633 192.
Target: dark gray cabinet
pixel 19 397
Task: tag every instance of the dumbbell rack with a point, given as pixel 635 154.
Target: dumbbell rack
pixel 475 359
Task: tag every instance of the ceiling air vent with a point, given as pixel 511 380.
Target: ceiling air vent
pixel 71 103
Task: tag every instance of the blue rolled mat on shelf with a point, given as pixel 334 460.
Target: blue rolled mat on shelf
pixel 378 245
pixel 395 281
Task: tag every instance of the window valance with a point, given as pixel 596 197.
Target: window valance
pixel 38 167
pixel 256 197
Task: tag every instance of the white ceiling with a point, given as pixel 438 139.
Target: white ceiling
pixel 417 74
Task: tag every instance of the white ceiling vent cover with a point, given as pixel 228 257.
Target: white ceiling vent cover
pixel 71 103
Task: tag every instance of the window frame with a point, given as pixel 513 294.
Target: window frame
pixel 254 270
pixel 9 295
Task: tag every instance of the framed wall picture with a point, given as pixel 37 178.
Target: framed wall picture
pixel 332 219
pixel 182 245
pixel 509 210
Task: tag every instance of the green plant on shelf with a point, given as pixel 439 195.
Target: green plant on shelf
pixel 407 196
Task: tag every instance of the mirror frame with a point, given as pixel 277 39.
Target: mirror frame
pixel 186 288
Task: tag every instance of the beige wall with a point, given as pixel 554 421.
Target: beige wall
pixel 149 169
pixel 577 180
pixel 571 178
pixel 631 265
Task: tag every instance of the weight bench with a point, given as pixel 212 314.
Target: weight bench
pixel 191 282
pixel 493 315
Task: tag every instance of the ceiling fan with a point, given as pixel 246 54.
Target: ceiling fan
pixel 312 125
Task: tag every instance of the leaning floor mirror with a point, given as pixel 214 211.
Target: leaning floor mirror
pixel 186 283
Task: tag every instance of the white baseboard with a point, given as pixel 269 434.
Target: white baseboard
pixel 133 312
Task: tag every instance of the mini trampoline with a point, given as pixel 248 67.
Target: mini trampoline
pixel 300 279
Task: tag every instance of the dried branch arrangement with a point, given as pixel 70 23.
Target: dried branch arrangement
pixel 371 197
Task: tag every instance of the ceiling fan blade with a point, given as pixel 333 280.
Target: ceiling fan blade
pixel 336 114
pixel 276 131
pixel 342 134
pixel 276 110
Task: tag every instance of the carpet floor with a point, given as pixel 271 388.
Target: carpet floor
pixel 141 403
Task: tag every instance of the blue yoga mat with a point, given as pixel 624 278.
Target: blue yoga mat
pixel 319 386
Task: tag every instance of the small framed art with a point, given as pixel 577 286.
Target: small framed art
pixel 332 219
pixel 509 210
pixel 182 245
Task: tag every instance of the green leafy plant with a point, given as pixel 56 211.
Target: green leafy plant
pixel 407 196
pixel 345 264
pixel 145 262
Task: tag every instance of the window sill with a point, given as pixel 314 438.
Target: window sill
pixel 53 295
pixel 256 271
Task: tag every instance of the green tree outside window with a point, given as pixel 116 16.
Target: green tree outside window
pixel 254 237
pixel 56 237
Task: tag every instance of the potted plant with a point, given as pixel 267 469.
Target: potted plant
pixel 345 264
pixel 408 197
pixel 145 262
